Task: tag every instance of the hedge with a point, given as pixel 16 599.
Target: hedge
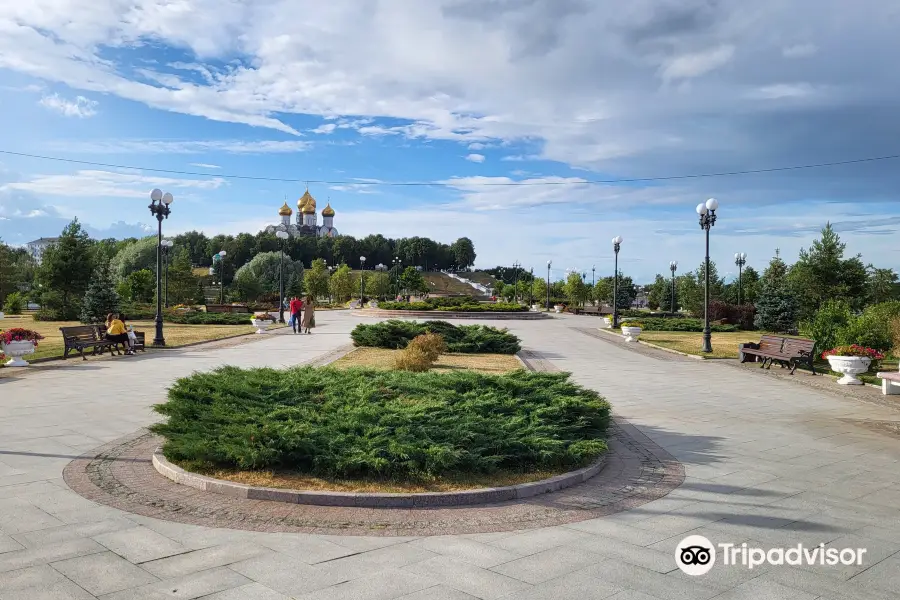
pixel 694 325
pixel 427 306
pixel 469 339
pixel 385 424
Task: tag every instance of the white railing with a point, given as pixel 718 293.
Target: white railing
pixel 481 288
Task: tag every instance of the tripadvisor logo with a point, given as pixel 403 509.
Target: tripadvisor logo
pixel 696 555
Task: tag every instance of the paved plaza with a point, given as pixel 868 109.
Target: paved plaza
pixel 767 462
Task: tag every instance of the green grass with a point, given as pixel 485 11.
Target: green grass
pixel 396 334
pixel 329 422
pixel 725 344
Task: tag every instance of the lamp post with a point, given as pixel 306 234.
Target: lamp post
pixel 617 243
pixel 549 262
pixel 516 267
pixel 281 235
pixel 740 259
pixel 362 279
pixel 531 288
pixel 397 263
pixel 166 245
pixel 673 266
pixel 707 214
pixel 159 208
pixel 593 283
pixel 220 256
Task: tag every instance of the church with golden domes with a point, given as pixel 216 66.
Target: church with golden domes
pixel 307 219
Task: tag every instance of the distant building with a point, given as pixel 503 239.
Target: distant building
pixel 307 221
pixel 37 247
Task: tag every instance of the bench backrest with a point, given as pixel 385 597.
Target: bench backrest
pixel 798 347
pixel 771 343
pixel 81 333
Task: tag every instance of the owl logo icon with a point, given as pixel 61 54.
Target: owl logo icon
pixel 695 555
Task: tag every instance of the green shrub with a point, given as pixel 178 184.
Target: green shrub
pixel 872 329
pixel 203 318
pixel 470 306
pixel 677 324
pixel 469 339
pixel 389 424
pixel 14 304
pixel 827 323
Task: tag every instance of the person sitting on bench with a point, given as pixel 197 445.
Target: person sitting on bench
pixel 116 332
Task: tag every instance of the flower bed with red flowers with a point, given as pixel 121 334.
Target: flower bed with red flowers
pixel 18 334
pixel 854 350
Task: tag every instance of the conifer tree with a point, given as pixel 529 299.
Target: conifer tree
pixel 101 297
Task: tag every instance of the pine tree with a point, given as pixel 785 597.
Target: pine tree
pixel 101 297
pixel 65 271
pixel 776 308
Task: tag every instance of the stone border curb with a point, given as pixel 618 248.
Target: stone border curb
pixel 363 500
pixel 440 315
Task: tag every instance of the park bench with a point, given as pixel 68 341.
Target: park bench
pixel 82 337
pixel 588 310
pixel 890 382
pixel 787 352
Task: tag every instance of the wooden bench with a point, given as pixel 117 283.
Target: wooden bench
pixel 83 337
pixel 890 382
pixel 588 310
pixel 787 352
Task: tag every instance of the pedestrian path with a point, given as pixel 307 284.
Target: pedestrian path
pixel 767 463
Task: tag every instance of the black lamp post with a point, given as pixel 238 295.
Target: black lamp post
pixel 740 259
pixel 159 208
pixel 220 257
pixel 166 245
pixel 362 279
pixel 516 267
pixel 548 284
pixel 617 243
pixel 593 283
pixel 707 214
pixel 673 266
pixel 281 235
pixel 531 288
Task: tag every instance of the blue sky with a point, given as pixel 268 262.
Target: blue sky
pixel 464 95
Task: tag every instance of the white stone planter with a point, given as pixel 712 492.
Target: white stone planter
pixel 608 321
pixel 535 308
pixel 16 350
pixel 631 334
pixel 261 326
pixel 558 308
pixel 1 314
pixel 373 304
pixel 849 367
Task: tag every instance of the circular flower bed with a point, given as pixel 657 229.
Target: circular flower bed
pixel 381 424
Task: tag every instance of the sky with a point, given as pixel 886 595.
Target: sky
pixel 465 97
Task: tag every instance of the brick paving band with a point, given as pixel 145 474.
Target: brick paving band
pixel 120 474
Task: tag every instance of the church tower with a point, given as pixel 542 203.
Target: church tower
pixel 285 213
pixel 328 217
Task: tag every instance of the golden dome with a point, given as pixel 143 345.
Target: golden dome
pixel 285 211
pixel 328 211
pixel 306 200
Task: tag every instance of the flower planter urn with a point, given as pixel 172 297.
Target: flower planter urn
pixel 631 334
pixel 16 350
pixel 261 325
pixel 608 321
pixel 558 308
pixel 849 367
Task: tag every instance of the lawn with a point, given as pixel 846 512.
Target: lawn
pixel 725 345
pixel 382 358
pixel 176 335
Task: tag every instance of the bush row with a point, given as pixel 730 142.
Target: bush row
pixel 426 306
pixel 385 424
pixel 681 324
pixel 834 324
pixel 469 339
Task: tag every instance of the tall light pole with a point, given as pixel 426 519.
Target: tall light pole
pixel 166 246
pixel 281 235
pixel 549 262
pixel 362 278
pixel 220 257
pixel 707 214
pixel 617 243
pixel 740 259
pixel 159 208
pixel 593 283
pixel 397 266
pixel 516 267
pixel 531 288
pixel 673 266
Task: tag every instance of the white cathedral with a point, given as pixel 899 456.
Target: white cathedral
pixel 307 219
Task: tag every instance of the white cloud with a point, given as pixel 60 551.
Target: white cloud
pixel 477 146
pixel 324 128
pixel 205 166
pixel 476 158
pixel 80 107
pixel 182 146
pixel 783 90
pixel 93 183
pixel 799 51
pixel 695 64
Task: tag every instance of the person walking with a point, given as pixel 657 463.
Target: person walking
pixel 309 314
pixel 296 306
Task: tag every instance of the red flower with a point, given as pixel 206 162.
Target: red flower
pixel 18 334
pixel 854 350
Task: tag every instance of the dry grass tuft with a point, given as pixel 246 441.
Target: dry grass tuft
pixel 383 358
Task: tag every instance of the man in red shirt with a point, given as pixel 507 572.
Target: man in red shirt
pixel 296 307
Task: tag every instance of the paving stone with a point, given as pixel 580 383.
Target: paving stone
pixel 19 516
pixel 437 592
pixel 103 573
pixel 309 549
pixel 381 586
pixel 577 586
pixel 467 578
pixel 759 589
pixel 827 586
pixel 620 531
pixel 373 561
pixel 641 556
pixel 538 540
pixel 876 551
pixel 139 544
pixel 201 560
pixel 65 533
pixel 549 564
pixel 288 575
pixel 197 585
pixel 39 583
pixel 631 577
pixel 19 559
pixel 8 544
pixel 470 551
